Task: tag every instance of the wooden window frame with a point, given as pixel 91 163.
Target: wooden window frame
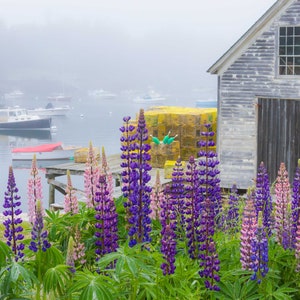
pixel 289 51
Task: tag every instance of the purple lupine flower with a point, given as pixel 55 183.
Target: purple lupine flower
pixel 232 217
pixel 106 217
pixel 156 197
pixel 295 205
pixel 135 176
pixel 259 248
pixel 127 147
pixel 192 208
pixel 263 201
pixel 71 201
pixel 283 218
pixel 208 171
pixel 34 190
pixel 208 195
pixel 91 175
pixel 249 225
pixel 178 190
pixel 127 139
pixel 38 234
pixel 13 221
pixel 168 240
pixel 209 261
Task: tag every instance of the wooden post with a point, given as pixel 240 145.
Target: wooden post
pixel 51 194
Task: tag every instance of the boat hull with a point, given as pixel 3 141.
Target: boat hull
pixel 38 124
pixel 49 111
pixel 52 155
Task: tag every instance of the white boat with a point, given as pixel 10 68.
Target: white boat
pixel 50 110
pixel 59 98
pixel 54 151
pixel 13 95
pixel 151 97
pixel 101 94
pixel 17 118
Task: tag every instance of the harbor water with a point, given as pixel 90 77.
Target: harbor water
pixel 89 120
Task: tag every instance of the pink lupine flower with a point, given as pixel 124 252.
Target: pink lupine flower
pixel 71 202
pixel 79 248
pixel 91 177
pixel 297 247
pixel 34 191
pixel 106 171
pixel 156 197
pixel 249 225
pixel 282 208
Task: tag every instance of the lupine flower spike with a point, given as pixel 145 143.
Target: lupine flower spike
pixel 208 170
pixel 168 240
pixel 295 205
pixel 107 220
pixel 108 174
pixel 70 255
pixel 79 248
pixel 249 225
pixel 71 201
pixel 38 234
pixel 209 261
pixel 259 249
pixel 178 191
pixel 297 247
pixel 192 208
pixel 283 218
pixel 137 167
pixel 263 201
pixel 127 139
pixel 156 198
pixel 91 176
pixel 34 190
pixel 232 218
pixel 13 221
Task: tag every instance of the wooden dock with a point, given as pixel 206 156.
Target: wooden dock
pixel 113 161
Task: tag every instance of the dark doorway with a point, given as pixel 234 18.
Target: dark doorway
pixel 278 135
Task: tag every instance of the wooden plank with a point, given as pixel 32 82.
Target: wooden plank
pixel 78 169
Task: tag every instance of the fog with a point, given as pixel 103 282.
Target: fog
pixel 92 45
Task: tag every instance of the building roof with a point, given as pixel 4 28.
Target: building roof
pixel 249 37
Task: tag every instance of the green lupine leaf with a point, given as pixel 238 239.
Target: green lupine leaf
pixel 19 272
pixel 108 259
pixel 5 253
pixel 248 289
pixel 96 290
pixel 56 278
pixel 119 266
pixel 131 263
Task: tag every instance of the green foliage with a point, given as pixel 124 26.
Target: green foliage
pixel 56 280
pixel 16 281
pixel 88 285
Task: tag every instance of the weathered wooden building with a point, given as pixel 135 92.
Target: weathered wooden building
pixel 259 98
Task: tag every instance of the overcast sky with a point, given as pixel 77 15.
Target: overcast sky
pixel 217 23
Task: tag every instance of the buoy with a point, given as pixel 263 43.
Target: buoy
pixel 155 140
pixel 166 138
pixel 171 139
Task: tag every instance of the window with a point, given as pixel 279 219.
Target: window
pixel 289 50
